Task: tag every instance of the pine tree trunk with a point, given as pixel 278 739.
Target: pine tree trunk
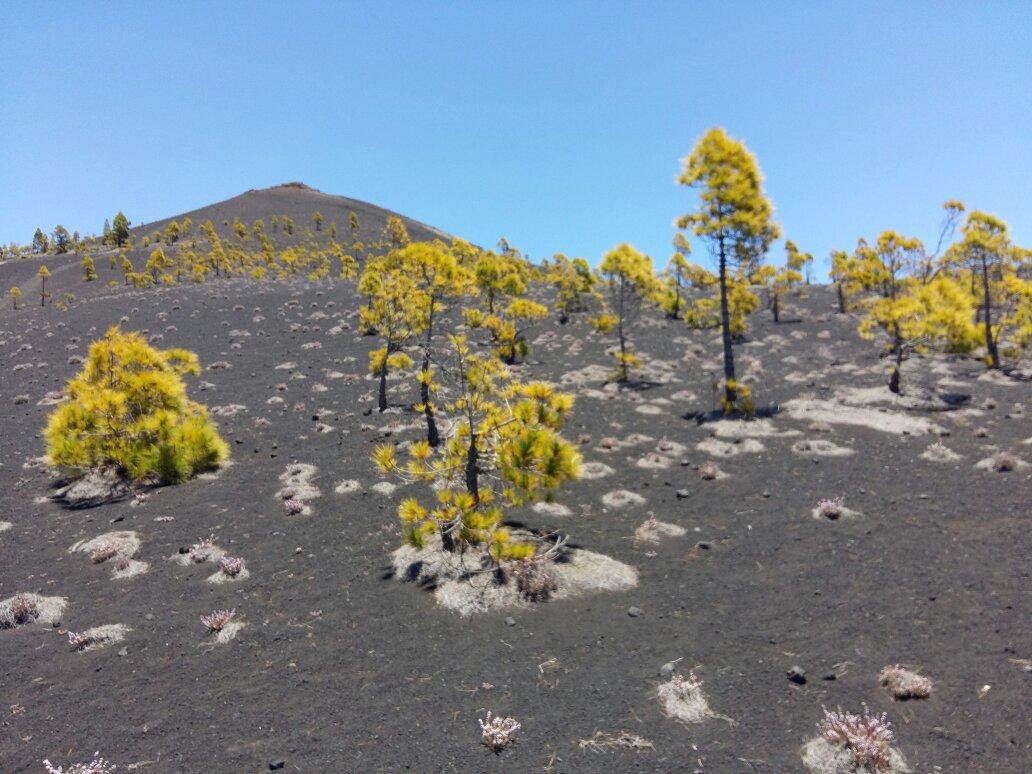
pixel 383 383
pixel 990 342
pixel 894 380
pixel 472 469
pixel 730 394
pixel 43 291
pixel 776 309
pixel 841 298
pixel 432 436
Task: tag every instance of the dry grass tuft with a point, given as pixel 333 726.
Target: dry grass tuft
pixel 904 683
pixel 603 741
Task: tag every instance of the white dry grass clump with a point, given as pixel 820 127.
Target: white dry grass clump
pixel 1002 462
pixel 670 448
pixel 820 447
pixel 939 452
pixel 682 699
pixel 298 488
pixel 385 488
pixel 467 585
pixel 718 448
pixel 904 683
pixel 5 525
pixel 97 637
pixel 650 409
pixel 97 766
pixel 204 550
pixel 621 498
pixel 710 471
pixel 115 549
pixel 850 744
pixel 498 732
pixel 748 428
pixel 347 487
pixel 653 531
pixel 603 741
pixel 654 461
pixel 557 510
pixel 814 409
pixel 594 470
pixel 30 608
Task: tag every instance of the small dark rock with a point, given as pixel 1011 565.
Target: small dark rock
pixel 703 545
pixel 797 675
pixel 683 494
pixel 634 611
pixel 829 676
pixel 277 764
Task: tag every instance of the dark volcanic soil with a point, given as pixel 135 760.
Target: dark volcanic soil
pixel 343 669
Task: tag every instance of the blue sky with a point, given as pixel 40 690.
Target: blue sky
pixel 557 125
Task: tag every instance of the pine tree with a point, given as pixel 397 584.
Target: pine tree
pixel 39 242
pixel 437 278
pixel 994 264
pixel 89 269
pixel 628 282
pixel 395 235
pixel 505 449
pixel 43 273
pixel 60 239
pixel 390 313
pixel 676 278
pixel 15 294
pixel 317 219
pixel 128 408
pixel 734 217
pixel 120 229
pixel 574 284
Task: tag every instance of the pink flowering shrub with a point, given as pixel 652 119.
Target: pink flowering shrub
pixel 831 508
pixel 534 577
pixel 97 766
pixel 709 471
pixel 231 565
pixel 202 550
pixel 24 610
pixel 498 732
pixel 216 620
pixel 79 640
pixel 685 687
pixel 293 506
pixel 867 737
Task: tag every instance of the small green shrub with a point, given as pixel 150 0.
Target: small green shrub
pixel 128 408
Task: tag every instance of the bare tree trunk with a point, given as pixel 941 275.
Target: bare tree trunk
pixel 841 298
pixel 775 307
pixel 730 394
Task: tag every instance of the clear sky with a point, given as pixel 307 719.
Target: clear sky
pixel 559 125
